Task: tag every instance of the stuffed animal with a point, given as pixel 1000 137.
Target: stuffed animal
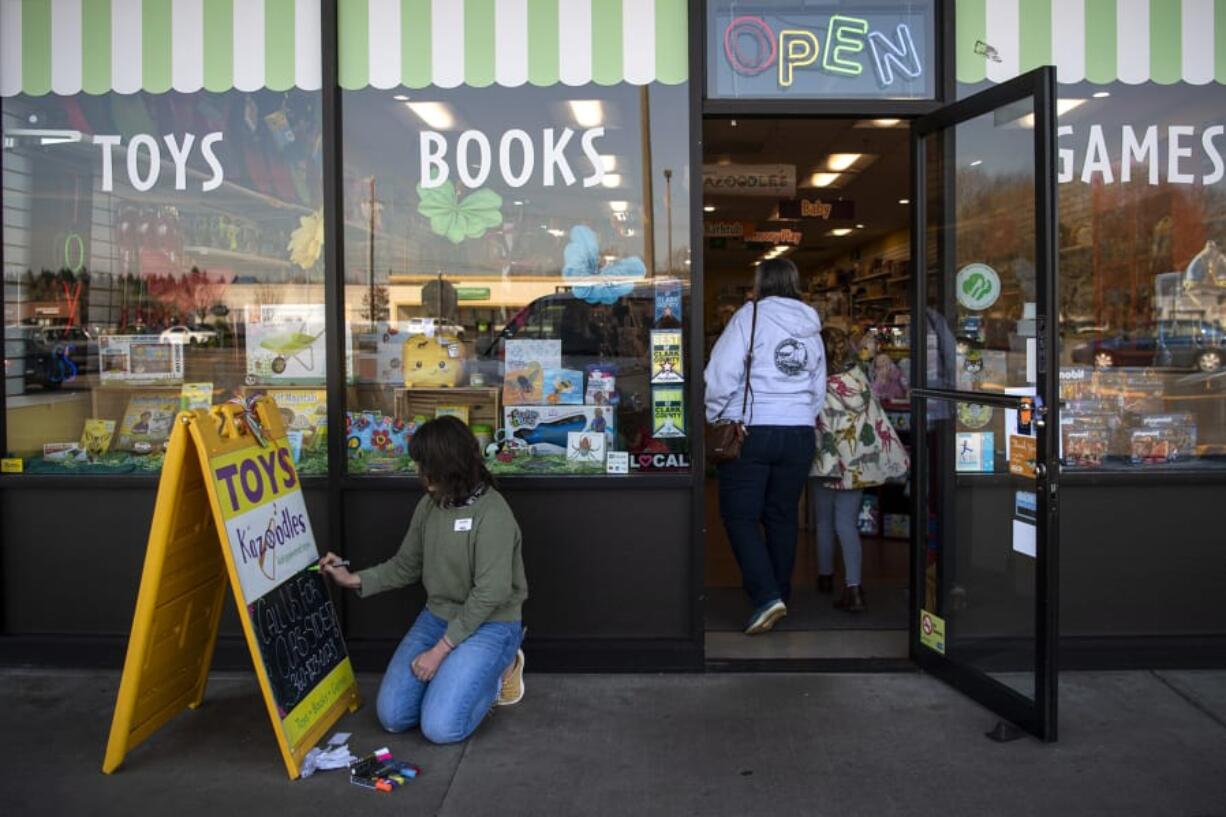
pixel 433 361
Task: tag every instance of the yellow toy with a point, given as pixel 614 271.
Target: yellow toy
pixel 436 361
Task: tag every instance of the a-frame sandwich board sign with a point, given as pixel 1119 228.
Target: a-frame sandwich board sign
pixel 230 510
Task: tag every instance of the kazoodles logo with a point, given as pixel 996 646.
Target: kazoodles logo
pixel 752 47
pixel 260 546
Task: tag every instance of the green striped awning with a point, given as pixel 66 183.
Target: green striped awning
pixel 99 46
pixel 415 43
pixel 1099 41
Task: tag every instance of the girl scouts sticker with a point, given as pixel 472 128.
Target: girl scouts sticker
pixel 978 286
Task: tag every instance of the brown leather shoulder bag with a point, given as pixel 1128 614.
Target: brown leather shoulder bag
pixel 725 437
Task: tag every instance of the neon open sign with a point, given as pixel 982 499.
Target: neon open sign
pixel 869 54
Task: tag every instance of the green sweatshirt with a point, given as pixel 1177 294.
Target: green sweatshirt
pixel 468 558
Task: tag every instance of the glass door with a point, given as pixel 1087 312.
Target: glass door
pixel 985 399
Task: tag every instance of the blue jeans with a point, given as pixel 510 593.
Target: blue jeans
pixel 759 494
pixel 452 705
pixel 838 511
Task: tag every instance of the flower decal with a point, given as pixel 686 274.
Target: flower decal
pixel 601 285
pixel 306 242
pixel 381 440
pixel 457 219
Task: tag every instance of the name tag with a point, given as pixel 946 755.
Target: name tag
pixel 464 524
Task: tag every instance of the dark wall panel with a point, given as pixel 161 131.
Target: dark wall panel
pixel 1147 558
pixel 600 564
pixel 73 557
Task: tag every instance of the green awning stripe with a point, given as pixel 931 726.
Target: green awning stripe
pixel 96 47
pixel 970 27
pixel 353 43
pixel 218 45
pixel 1035 34
pixel 479 43
pixel 1100 41
pixel 1165 56
pixel 672 27
pixel 543 42
pixel 36 46
pixel 279 44
pixel 607 48
pixel 415 52
pixel 155 45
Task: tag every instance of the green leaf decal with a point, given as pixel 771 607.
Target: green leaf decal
pixel 457 220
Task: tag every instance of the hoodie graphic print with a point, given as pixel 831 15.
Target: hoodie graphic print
pixel 788 377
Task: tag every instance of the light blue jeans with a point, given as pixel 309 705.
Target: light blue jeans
pixel 838 511
pixel 451 706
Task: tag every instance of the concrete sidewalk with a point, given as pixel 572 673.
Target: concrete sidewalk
pixel 1136 743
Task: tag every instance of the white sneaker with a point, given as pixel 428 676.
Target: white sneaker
pixel 766 617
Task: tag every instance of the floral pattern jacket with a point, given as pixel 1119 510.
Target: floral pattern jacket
pixel 857 446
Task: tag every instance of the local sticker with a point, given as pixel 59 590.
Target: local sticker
pixel 932 631
pixel 978 286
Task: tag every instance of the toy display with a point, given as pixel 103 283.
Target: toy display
pixel 563 387
pixel 585 446
pixel 377 441
pixel 379 354
pixel 96 437
pixel 433 361
pixel 139 359
pixel 544 429
pixel 195 396
pixel 285 343
pixel 601 386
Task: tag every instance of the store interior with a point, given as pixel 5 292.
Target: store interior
pixel 847 229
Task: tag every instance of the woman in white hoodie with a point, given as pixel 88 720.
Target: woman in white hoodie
pixel 759 491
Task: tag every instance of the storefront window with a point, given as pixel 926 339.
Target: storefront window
pixel 832 50
pixel 161 248
pixel 1142 227
pixel 519 258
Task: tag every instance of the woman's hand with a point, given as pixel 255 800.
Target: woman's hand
pixel 331 566
pixel 425 665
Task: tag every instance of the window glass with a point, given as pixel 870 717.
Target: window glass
pixel 161 251
pixel 519 257
pixel 1142 304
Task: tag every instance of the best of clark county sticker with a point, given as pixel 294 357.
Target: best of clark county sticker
pixel 266 522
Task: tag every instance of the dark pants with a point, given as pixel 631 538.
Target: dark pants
pixel 760 492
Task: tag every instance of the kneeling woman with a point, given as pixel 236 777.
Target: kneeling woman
pixel 462 653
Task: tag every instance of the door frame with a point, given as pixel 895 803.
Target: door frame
pixel 1037 716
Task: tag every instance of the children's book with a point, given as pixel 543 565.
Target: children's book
pixel 563 387
pixel 147 423
pixel 96 437
pixel 304 410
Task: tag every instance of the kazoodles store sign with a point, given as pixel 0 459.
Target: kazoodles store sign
pixel 843 52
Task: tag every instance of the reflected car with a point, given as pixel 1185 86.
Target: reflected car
pixel 1176 344
pixel 188 334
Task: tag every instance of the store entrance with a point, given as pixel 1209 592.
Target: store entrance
pixel 832 196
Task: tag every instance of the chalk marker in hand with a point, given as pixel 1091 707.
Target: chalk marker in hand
pixel 341 563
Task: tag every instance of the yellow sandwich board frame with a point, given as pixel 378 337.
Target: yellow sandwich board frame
pixel 188 563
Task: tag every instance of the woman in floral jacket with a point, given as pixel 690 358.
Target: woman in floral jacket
pixel 857 448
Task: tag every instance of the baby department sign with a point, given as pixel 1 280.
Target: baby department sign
pixel 266 523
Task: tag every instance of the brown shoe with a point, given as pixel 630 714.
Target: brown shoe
pixel 825 585
pixel 852 600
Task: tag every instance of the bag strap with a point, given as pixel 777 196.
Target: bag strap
pixel 753 330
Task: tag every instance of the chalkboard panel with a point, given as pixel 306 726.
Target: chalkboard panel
pixel 299 636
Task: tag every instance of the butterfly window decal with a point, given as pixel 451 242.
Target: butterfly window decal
pixel 602 284
pixel 457 219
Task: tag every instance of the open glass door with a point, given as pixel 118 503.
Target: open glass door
pixel 985 399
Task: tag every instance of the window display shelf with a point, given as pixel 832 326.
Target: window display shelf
pixel 237 257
